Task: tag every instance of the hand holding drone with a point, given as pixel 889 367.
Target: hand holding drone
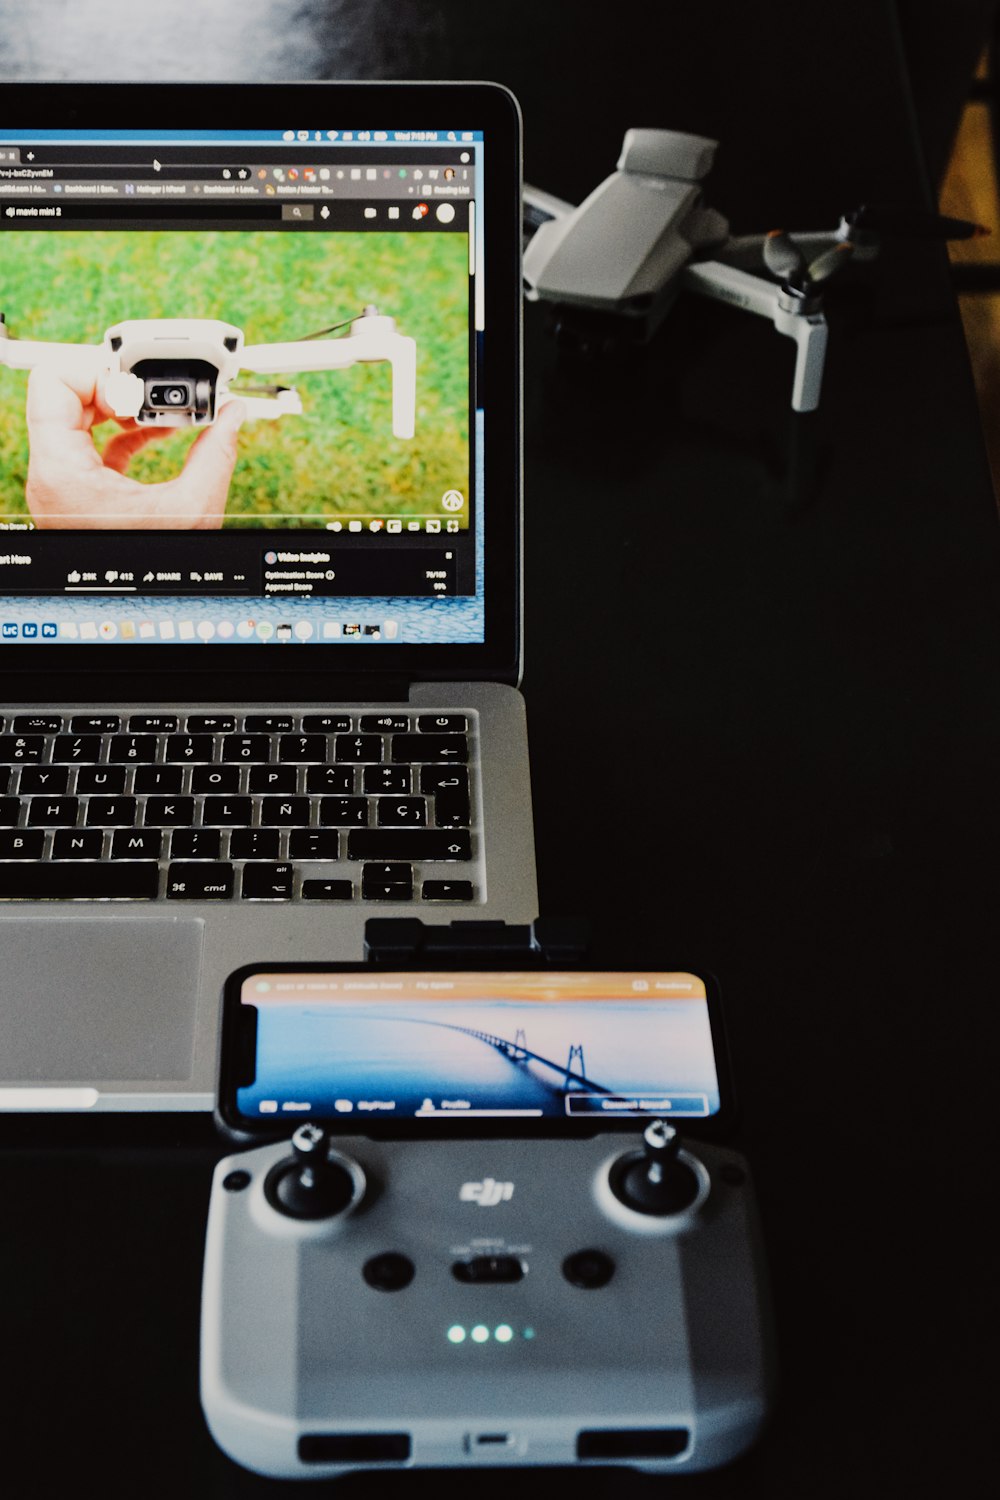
pixel 615 265
pixel 177 372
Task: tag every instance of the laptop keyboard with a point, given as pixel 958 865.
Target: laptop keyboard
pixel 221 806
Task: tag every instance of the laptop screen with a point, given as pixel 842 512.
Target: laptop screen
pixel 241 400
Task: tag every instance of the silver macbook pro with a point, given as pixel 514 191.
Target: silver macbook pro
pixel 259 553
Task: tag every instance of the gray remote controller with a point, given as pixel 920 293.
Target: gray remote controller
pixel 406 1303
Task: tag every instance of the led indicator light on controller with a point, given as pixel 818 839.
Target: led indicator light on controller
pixel 456 1334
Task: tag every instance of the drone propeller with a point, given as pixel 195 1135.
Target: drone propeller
pixel 911 223
pixel 829 263
pixel 783 257
pixel 785 260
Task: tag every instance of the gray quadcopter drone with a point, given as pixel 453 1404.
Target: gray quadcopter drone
pixel 646 233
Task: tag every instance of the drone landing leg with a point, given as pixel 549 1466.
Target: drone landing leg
pixel 712 278
pixel 809 333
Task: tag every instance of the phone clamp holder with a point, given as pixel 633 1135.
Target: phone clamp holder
pixel 409 942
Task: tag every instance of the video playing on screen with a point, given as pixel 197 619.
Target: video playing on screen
pixel 279 365
pixel 432 1047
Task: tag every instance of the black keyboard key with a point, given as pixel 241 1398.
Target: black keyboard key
pixel 200 882
pixel 129 748
pixel 302 747
pixel 401 812
pixel 278 779
pixel 111 810
pixel 387 882
pixel 409 843
pixel 443 779
pixel 211 723
pixel 330 779
pixel 18 748
pixel 267 882
pixel 21 843
pixel 166 779
pixel 450 748
pixel 221 779
pixel 447 890
pixel 327 890
pixel 442 724
pixel 244 747
pixel 10 810
pixel 184 748
pixel 152 723
pixel 5 776
pixel 167 812
pixel 254 843
pixel 37 723
pixel 54 779
pixel 386 779
pixel 76 748
pixel 105 780
pixel 327 724
pixel 269 724
pixel 136 843
pixel 357 747
pixel 228 812
pixel 136 881
pixel 451 808
pixel 285 812
pixel 95 724
pixel 344 812
pixel 384 723
pixel 195 843
pixel 50 812
pixel 77 843
pixel 314 843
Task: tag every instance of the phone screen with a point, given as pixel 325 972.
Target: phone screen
pixel 426 1049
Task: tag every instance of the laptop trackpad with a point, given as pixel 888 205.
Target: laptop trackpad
pixel 97 1001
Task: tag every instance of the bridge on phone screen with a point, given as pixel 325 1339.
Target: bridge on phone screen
pixel 517 1052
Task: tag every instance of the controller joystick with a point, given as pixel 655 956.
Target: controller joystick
pixel 307 1184
pixel 655 1180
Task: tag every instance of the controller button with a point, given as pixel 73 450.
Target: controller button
pixel 235 1182
pixel 488 1268
pixel 389 1272
pixel 588 1269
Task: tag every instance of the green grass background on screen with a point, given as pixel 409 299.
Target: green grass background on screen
pixel 338 459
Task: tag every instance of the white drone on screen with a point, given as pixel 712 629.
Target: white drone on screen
pixel 178 372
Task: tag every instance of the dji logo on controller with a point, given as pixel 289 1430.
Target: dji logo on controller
pixel 487 1193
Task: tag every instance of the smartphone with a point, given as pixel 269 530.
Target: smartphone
pixel 426 1054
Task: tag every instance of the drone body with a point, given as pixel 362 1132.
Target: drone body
pixel 178 372
pixel 623 248
pixel 646 233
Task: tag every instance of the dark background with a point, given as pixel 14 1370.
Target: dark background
pixel 762 679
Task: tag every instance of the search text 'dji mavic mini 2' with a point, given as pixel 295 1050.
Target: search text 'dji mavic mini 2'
pixel 480 1302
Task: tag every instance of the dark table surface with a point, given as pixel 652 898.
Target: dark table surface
pixel 774 642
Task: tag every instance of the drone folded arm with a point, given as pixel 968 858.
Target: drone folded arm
pixel 338 354
pixel 724 283
pixel 28 354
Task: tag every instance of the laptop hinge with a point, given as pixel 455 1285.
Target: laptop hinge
pixel 408 940
pixel 216 687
